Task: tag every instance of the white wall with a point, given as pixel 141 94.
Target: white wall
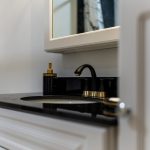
pixel 105 62
pixel 22 56
pixel 22 59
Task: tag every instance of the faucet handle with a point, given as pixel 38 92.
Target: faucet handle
pixel 95 94
pixel 101 94
pixel 86 93
pixel 91 94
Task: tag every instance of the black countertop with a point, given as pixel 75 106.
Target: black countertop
pixel 13 102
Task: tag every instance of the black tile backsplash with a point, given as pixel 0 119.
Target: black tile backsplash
pixel 76 85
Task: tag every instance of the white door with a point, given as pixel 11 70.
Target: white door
pixel 134 61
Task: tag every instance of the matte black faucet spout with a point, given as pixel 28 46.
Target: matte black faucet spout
pixel 79 70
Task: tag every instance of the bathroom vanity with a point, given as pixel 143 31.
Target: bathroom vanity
pixel 56 121
pixel 26 126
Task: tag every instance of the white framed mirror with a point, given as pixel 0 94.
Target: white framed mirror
pixel 78 25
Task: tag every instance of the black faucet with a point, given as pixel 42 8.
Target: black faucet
pixel 79 70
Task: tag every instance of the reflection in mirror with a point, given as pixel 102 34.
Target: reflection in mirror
pixel 79 16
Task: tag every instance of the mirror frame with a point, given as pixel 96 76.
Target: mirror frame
pixel 93 40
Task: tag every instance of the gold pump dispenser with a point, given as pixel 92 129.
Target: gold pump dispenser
pixel 50 72
pixel 48 81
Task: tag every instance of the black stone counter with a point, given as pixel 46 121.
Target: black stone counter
pixel 13 102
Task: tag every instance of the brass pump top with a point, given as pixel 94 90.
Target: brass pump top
pixel 50 71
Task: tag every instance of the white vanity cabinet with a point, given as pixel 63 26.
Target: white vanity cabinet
pixel 24 131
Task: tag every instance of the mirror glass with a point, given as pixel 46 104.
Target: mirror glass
pixel 79 16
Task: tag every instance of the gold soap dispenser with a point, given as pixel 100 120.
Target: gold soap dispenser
pixel 48 81
pixel 50 71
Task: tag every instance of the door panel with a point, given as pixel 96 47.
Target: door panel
pixel 134 74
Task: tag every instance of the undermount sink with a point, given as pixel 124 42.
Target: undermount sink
pixel 59 99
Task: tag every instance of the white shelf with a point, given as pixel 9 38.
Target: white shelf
pixel 95 40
